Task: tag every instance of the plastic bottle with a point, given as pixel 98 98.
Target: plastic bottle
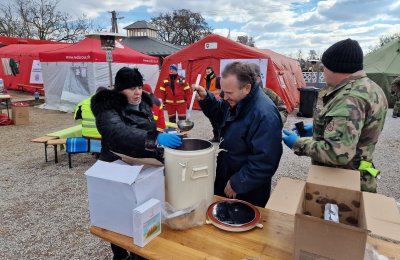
pixel 36 94
pixel 1 86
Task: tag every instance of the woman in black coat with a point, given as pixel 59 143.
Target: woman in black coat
pixel 125 121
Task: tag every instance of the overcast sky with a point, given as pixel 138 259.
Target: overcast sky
pixel 281 25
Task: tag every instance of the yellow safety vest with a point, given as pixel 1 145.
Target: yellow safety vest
pixel 89 128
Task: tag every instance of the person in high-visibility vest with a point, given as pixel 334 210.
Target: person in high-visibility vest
pixel 175 94
pixel 157 109
pixel 84 112
pixel 212 83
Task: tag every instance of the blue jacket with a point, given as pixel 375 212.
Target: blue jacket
pixel 252 138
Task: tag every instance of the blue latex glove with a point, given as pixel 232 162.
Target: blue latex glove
pixel 169 140
pixel 289 138
pixel 308 128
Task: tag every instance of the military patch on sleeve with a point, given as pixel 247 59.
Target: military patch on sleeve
pixel 330 126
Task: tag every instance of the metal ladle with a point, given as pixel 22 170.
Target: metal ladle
pixel 187 125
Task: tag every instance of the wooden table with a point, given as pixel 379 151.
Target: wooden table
pixel 54 143
pixel 273 241
pixel 44 140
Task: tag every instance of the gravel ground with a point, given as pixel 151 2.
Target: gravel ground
pixel 44 205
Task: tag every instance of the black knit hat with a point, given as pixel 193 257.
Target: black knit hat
pixel 344 56
pixel 127 78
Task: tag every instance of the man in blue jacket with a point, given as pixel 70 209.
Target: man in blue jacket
pixel 251 135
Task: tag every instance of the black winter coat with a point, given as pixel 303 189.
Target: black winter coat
pixel 123 129
pixel 252 137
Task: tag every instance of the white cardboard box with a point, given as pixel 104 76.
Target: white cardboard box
pixel 146 222
pixel 115 189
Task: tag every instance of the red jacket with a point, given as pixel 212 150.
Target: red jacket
pixel 158 115
pixel 181 94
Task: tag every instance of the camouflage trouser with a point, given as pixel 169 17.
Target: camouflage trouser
pixel 396 108
pixel 368 182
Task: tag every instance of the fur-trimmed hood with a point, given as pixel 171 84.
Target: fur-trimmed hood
pixel 112 100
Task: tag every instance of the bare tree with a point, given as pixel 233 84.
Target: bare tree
pixel 247 40
pixel 312 55
pixel 299 54
pixel 40 19
pixel 181 27
pixel 384 39
pixel 301 60
pixel 10 24
pixel 388 38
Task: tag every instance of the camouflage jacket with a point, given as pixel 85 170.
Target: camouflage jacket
pixel 347 125
pixel 396 85
pixel 278 103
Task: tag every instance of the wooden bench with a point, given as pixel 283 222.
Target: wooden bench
pixel 54 143
pixel 44 140
pixel 22 86
pixel 61 141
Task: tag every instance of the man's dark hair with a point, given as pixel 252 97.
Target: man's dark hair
pixel 210 68
pixel 243 71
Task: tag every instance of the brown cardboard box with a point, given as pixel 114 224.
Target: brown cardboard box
pixel 359 214
pixel 20 113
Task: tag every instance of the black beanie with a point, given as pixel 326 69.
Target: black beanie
pixel 127 78
pixel 344 57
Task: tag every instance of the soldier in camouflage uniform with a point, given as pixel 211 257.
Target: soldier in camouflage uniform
pixel 347 126
pixel 271 94
pixel 278 103
pixel 396 94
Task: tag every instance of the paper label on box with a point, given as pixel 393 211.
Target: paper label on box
pixel 146 222
pixel 151 228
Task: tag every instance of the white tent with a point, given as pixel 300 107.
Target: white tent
pixel 74 73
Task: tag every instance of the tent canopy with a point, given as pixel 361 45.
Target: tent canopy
pixel 5 40
pixel 282 74
pixel 383 66
pixel 24 55
pixel 89 50
pixel 73 73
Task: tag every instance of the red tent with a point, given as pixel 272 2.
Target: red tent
pixel 24 55
pixel 74 73
pixel 289 70
pixel 89 50
pixel 283 75
pixel 5 40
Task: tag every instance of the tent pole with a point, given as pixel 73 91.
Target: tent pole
pixel 110 74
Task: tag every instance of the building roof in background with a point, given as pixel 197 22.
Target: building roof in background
pixel 150 45
pixel 140 25
pixel 5 40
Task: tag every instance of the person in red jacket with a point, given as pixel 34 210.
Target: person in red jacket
pixel 175 93
pixel 157 109
pixel 212 83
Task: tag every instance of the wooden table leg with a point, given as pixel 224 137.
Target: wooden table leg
pixel 55 154
pixel 45 151
pixel 69 160
pixel 8 113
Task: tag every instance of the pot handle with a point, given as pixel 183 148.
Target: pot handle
pixel 184 167
pixel 199 169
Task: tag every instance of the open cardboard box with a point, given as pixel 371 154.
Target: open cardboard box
pixel 116 188
pixel 359 214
